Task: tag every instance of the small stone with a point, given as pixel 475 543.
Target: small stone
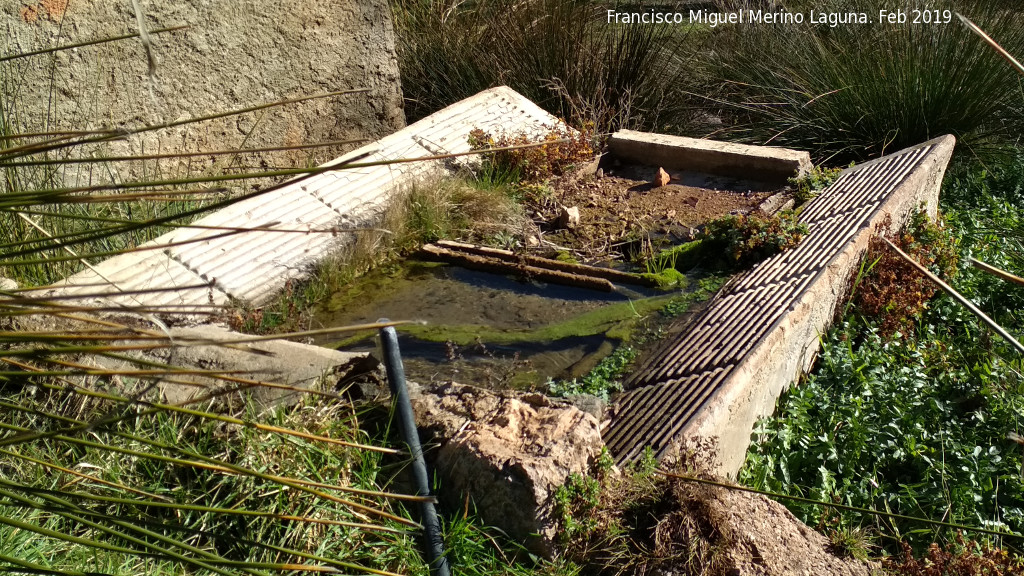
pixel 568 217
pixel 590 404
pixel 6 284
pixel 532 241
pixel 600 173
pixel 662 178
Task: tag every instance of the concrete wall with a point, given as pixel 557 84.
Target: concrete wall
pixel 236 53
pixel 762 330
pixel 764 163
pixel 791 347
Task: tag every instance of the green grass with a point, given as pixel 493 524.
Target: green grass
pixel 859 91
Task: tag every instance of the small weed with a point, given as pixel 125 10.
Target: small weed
pixel 576 504
pixel 661 268
pixel 847 542
pixel 746 240
pixel 810 185
pixel 602 381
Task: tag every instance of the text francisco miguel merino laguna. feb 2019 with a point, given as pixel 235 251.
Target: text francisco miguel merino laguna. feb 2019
pixel 833 19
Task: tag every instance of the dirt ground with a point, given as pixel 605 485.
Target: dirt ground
pixel 738 533
pixel 619 205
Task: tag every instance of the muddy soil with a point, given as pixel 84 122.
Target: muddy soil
pixel 619 204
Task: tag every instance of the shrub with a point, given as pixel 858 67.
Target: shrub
pixel 536 164
pixel 559 53
pixel 746 240
pixel 858 91
pixel 965 557
pixel 891 289
pixel 808 186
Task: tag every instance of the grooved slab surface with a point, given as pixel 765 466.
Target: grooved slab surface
pixel 761 330
pixel 304 220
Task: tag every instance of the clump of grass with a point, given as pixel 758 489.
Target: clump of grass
pixel 748 239
pixel 847 542
pixel 637 521
pixel 559 53
pixel 889 288
pixel 859 91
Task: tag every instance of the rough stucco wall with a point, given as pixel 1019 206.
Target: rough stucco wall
pixel 236 53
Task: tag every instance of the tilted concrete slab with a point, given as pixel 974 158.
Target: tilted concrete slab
pixel 762 330
pixel 303 217
pixel 265 373
pixel 761 163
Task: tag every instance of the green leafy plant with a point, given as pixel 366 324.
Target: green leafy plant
pixel 602 381
pixel 808 186
pixel 915 424
pixel 576 504
pixel 746 240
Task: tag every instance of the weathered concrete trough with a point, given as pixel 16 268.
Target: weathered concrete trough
pixel 762 330
pixel 762 163
pixel 191 268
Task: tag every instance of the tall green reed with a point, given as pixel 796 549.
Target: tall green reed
pixel 857 91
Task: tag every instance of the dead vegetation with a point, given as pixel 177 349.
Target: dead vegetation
pixel 962 557
pixel 645 522
pixel 890 288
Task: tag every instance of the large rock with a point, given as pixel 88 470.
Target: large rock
pixel 508 453
pixel 233 55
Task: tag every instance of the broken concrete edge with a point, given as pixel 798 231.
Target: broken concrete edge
pixel 452 111
pixel 508 453
pixel 764 163
pixel 752 390
pixel 272 373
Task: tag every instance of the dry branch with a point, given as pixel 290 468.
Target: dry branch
pixel 493 264
pixel 549 264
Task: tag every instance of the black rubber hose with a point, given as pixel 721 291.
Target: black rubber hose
pixel 403 409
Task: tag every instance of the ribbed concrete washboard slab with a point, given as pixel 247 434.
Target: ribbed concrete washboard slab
pixel 762 328
pixel 191 267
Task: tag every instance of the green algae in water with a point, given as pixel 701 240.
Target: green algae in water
pixel 486 329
